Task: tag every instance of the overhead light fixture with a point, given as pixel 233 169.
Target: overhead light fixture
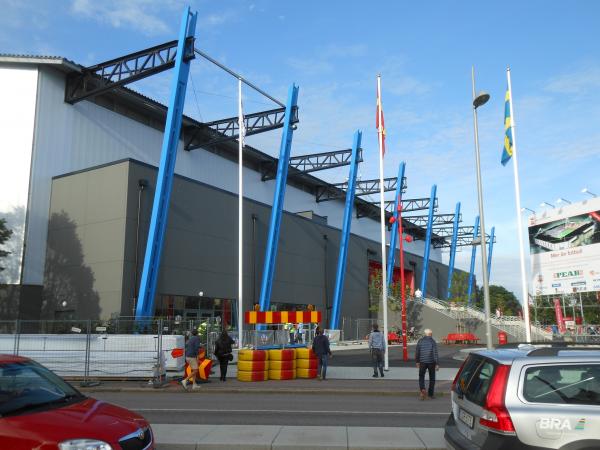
pixel 587 191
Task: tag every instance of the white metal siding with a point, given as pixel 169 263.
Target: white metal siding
pixel 18 88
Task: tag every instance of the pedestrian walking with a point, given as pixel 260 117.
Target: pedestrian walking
pixel 321 348
pixel 377 347
pixel 192 347
pixel 224 352
pixel 426 357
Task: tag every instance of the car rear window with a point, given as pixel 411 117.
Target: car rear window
pixel 480 383
pixel 563 384
pixel 474 380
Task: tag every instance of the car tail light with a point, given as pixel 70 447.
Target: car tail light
pixel 495 415
pixel 458 374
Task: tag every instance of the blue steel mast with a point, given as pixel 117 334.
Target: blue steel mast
pixel 277 209
pixel 453 249
pixel 489 261
pixel 473 253
pixel 164 181
pixel 394 232
pixel 341 267
pixel 428 242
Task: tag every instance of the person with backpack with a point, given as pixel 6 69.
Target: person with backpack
pixel 224 353
pixel 426 356
pixel 192 347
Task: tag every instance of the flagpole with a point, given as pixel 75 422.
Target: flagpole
pixel 382 219
pixel 240 214
pixel 524 290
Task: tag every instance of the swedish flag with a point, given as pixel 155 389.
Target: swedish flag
pixel 507 151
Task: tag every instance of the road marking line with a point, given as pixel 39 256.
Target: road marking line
pixel 289 411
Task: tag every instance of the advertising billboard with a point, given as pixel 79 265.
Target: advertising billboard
pixel 565 249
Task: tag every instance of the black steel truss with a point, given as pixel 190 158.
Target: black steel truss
pixel 363 187
pixel 409 205
pixel 438 220
pixel 445 232
pixel 118 72
pixel 313 162
pixel 463 240
pixel 95 80
pixel 228 129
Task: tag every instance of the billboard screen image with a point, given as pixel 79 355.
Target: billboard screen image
pixel 565 249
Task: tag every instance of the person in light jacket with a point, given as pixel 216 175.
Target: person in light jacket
pixel 377 348
pixel 426 356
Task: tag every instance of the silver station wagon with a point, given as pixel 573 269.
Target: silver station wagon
pixel 527 397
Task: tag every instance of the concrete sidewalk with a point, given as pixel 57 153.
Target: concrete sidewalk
pixel 272 437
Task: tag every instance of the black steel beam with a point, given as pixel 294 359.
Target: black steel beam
pixel 448 231
pixel 438 220
pixel 313 163
pixel 464 240
pixel 363 187
pixel 95 80
pixel 409 205
pixel 228 129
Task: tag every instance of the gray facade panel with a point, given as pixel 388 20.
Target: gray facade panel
pixel 200 251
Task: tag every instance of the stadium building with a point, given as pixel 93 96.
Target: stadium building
pixel 77 190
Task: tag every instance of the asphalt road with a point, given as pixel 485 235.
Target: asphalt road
pixel 283 409
pixel 362 357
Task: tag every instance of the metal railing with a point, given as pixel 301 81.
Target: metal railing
pixel 86 350
pixel 513 325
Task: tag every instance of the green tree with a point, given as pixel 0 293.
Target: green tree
pixel 502 299
pixel 460 287
pixel 5 234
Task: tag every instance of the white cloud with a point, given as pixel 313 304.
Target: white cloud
pixel 216 19
pixel 321 59
pixel 310 67
pixel 576 82
pixel 142 15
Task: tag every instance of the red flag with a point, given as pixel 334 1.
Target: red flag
pixel 379 114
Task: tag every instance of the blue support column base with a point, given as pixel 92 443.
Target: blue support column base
pixel 280 184
pixel 344 241
pixel 428 243
pixel 453 249
pixel 394 232
pixel 473 254
pixel 164 182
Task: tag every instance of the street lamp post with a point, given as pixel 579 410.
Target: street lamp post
pixel 479 100
pixel 401 238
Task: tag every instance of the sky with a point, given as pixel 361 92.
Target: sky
pixel 334 50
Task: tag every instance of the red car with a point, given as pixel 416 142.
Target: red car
pixel 39 410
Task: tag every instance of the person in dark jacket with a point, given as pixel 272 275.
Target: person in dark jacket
pixel 426 357
pixel 321 348
pixel 224 352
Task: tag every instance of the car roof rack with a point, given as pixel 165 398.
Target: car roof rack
pixel 550 348
pixel 553 351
